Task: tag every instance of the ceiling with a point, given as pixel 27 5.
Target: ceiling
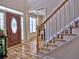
pixel 43 5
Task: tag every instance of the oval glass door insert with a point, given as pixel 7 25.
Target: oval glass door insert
pixel 14 25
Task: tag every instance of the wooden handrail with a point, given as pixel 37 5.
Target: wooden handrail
pixel 53 13
pixel 41 27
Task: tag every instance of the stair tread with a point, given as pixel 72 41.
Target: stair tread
pixel 46 48
pixel 70 34
pixel 53 45
pixel 43 52
pixel 61 40
pixel 74 27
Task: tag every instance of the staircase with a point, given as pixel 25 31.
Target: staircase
pixel 59 28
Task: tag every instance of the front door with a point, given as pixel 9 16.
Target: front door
pixel 13 26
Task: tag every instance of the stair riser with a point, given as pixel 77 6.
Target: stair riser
pixel 75 31
pixel 76 24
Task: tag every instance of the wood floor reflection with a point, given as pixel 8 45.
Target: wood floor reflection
pixel 23 51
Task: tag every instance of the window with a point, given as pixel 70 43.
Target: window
pixel 1 21
pixel 32 24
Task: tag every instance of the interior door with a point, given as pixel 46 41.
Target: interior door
pixel 13 26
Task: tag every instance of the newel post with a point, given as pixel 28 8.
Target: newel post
pixel 38 35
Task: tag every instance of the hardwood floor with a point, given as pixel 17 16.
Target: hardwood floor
pixel 24 51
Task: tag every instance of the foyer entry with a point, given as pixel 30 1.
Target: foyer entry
pixel 13 26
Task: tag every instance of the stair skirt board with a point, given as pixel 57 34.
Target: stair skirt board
pixel 59 44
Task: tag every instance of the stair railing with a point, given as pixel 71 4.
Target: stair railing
pixel 55 23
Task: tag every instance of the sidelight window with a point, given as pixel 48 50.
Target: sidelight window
pixel 1 21
pixel 32 24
